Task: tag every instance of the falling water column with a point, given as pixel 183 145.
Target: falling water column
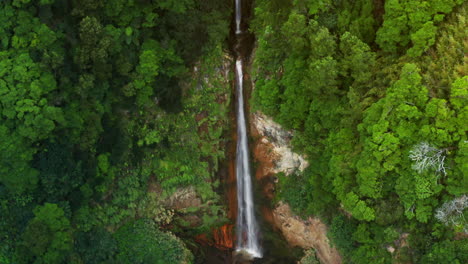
pixel 238 16
pixel 247 229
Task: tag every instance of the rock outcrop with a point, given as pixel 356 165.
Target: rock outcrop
pixel 183 198
pixel 273 134
pixel 310 233
pixel 273 155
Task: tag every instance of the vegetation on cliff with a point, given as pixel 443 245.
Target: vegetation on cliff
pixel 101 117
pixel 107 107
pixel 376 94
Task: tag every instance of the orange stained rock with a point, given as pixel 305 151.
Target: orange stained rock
pixel 224 237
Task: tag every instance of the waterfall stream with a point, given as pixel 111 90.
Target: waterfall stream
pixel 238 16
pixel 247 228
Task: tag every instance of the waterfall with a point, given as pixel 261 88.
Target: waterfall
pixel 247 229
pixel 238 16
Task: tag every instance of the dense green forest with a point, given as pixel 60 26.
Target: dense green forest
pixel 100 117
pixel 376 93
pixel 108 107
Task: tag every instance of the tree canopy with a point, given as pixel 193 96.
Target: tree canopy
pixel 373 92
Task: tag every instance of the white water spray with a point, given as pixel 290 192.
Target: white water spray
pixel 247 228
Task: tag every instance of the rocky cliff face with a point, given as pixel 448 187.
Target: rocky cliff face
pixel 310 233
pixel 273 155
pixel 277 139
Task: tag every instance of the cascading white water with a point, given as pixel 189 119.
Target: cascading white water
pixel 238 16
pixel 247 228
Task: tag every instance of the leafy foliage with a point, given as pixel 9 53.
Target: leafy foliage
pixel 142 242
pixel 109 107
pixel 99 106
pixel 375 95
pixel 412 20
pixel 309 258
pixel 96 246
pixel 47 238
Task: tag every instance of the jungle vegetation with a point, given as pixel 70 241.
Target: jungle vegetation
pixel 376 93
pixel 108 107
pixel 100 117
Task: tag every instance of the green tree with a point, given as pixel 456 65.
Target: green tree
pixel 406 20
pixel 15 170
pixel 446 252
pixel 94 43
pixel 59 173
pixel 341 230
pixel 48 236
pixel 96 246
pixel 141 242
pixel 23 89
